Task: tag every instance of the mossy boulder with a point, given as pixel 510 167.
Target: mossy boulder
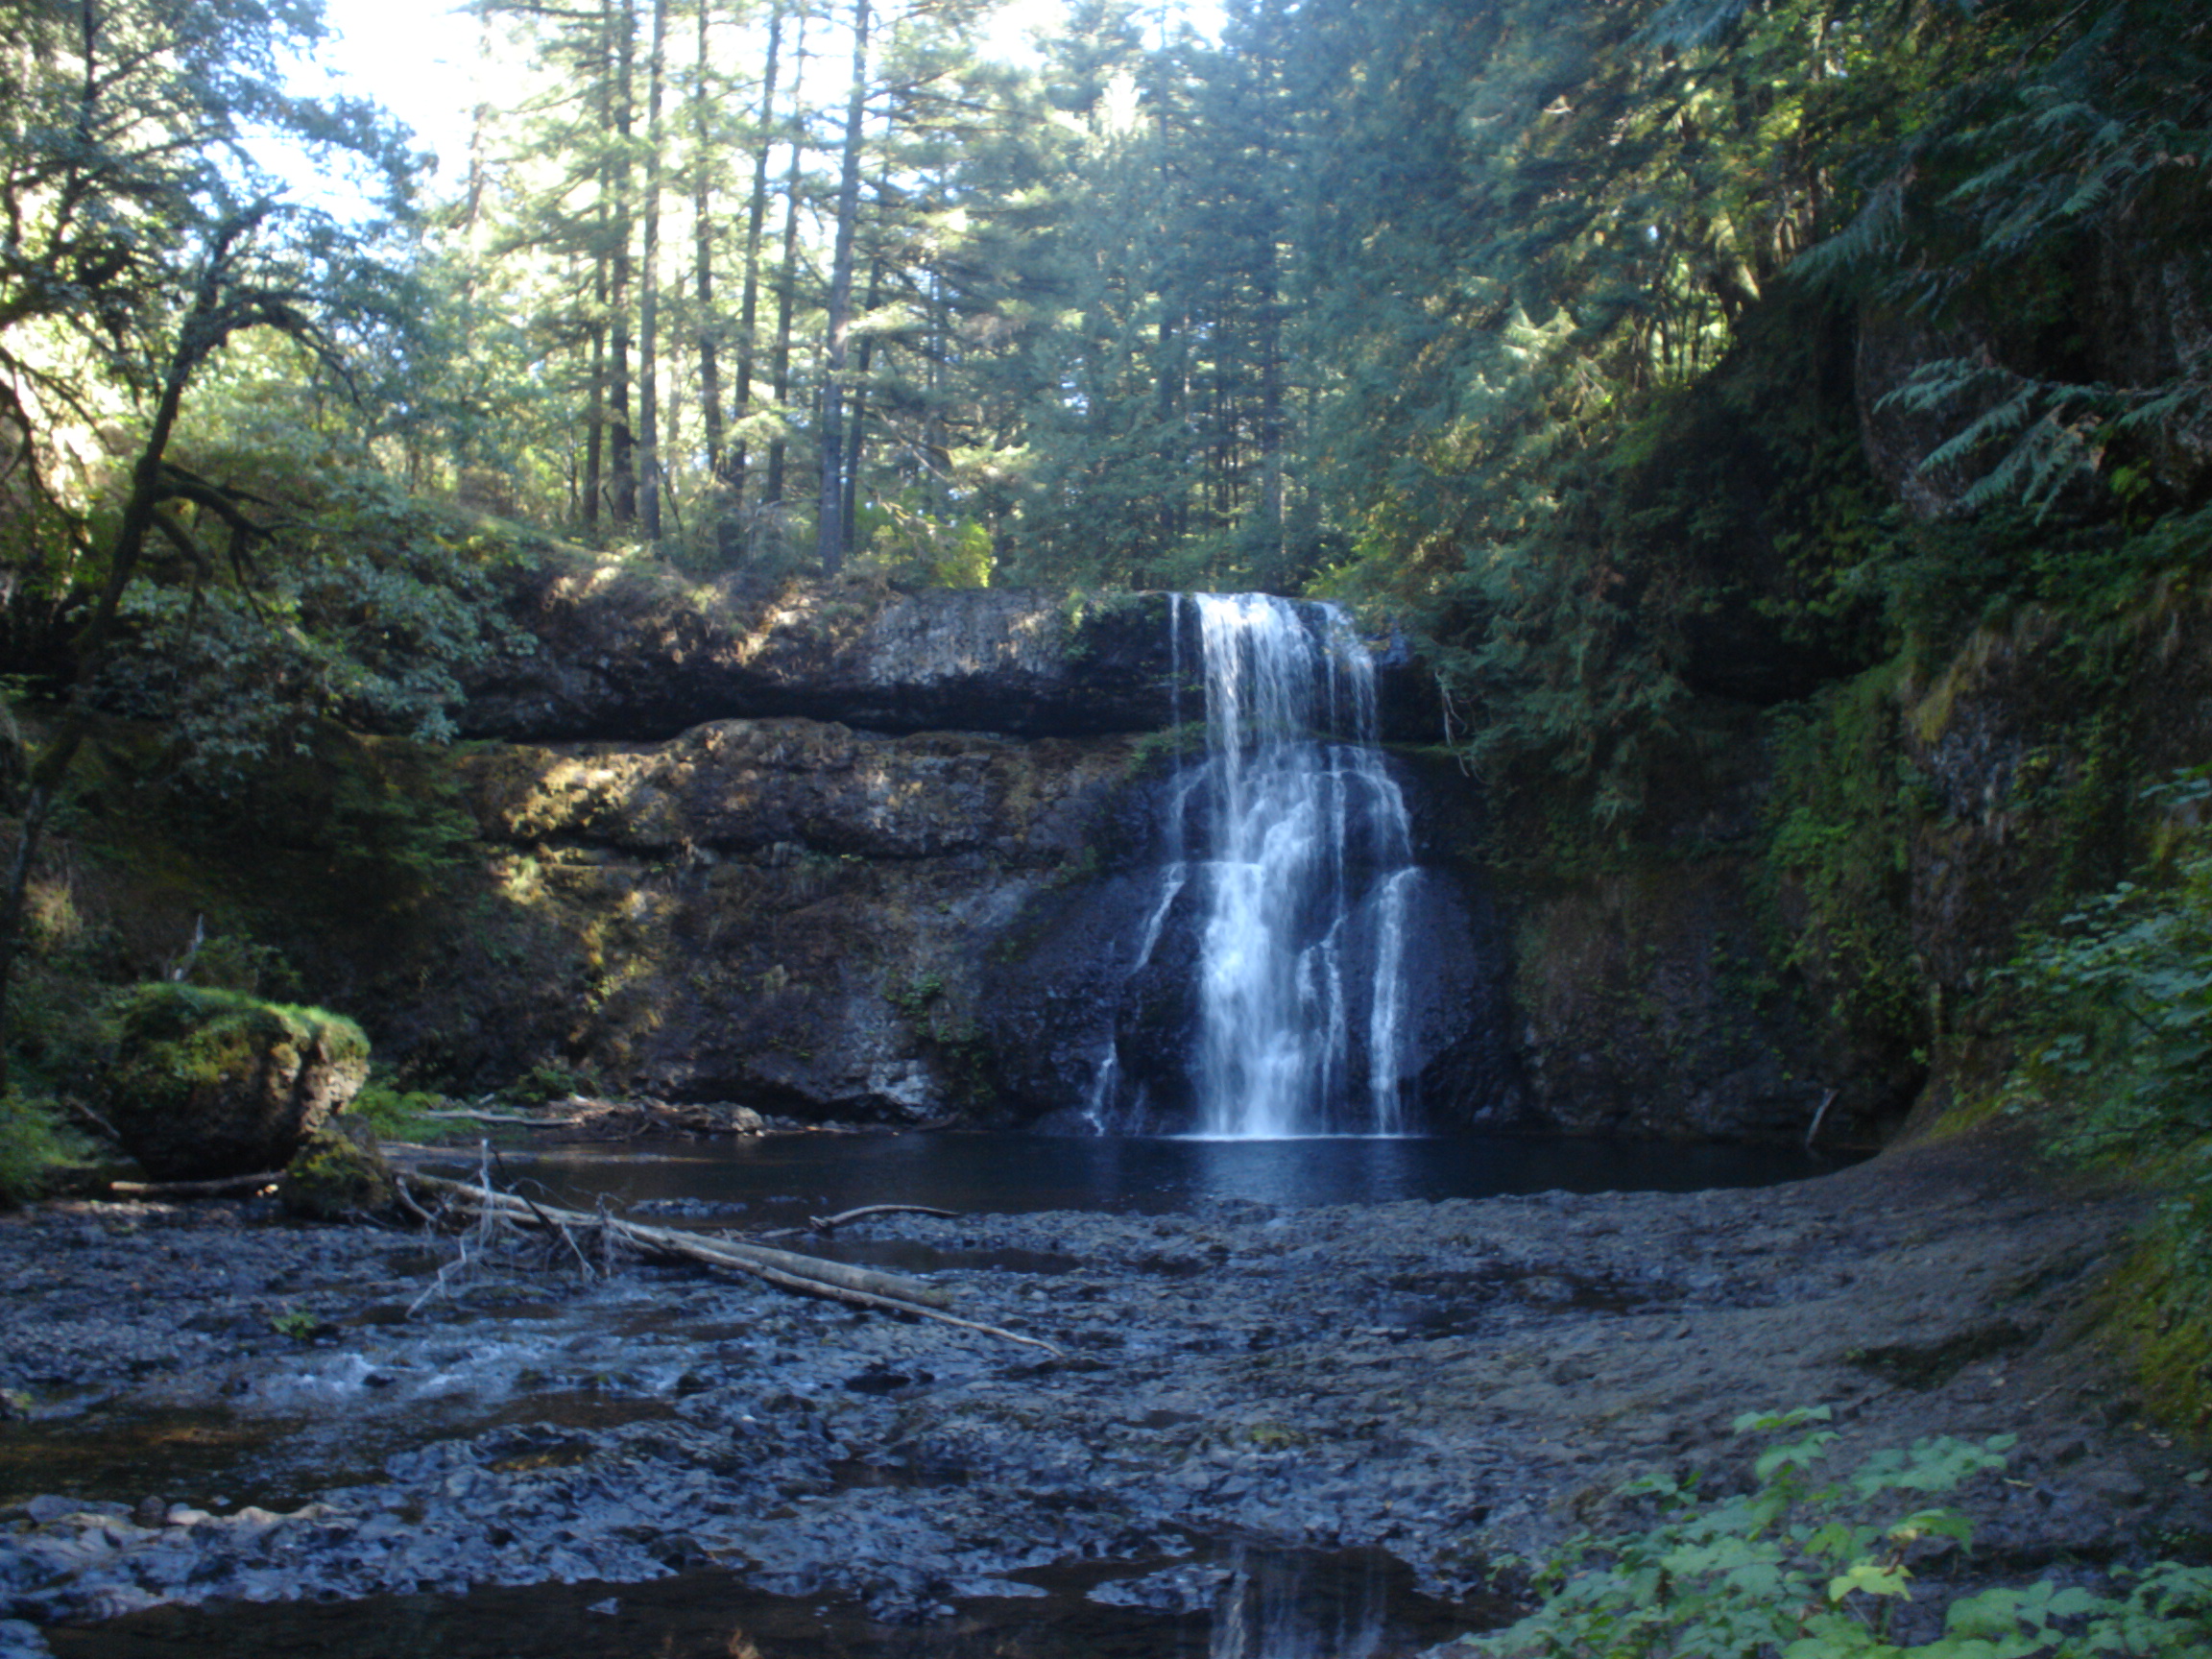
pixel 213 1083
pixel 340 1174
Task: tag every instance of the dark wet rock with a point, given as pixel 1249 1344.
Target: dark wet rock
pixel 1409 1374
pixel 787 913
pixel 634 652
pixel 1662 996
pixel 212 1083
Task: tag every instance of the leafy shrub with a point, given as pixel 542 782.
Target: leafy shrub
pixel 1793 1569
pixel 546 1081
pixel 2115 1025
pixel 2119 994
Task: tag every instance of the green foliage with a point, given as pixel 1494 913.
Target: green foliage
pixel 1803 1566
pixel 2119 996
pixel 1840 820
pixel 549 1080
pixel 911 544
pixel 399 1114
pixel 36 1148
pixel 362 608
pixel 234 962
pixel 296 1323
pixel 2114 1025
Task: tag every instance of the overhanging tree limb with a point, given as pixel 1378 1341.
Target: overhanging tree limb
pixel 229 296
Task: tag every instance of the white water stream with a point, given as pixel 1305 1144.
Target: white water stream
pixel 1304 881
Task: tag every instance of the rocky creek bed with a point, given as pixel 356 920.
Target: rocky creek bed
pixel 212 1409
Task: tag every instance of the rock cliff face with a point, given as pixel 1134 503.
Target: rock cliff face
pixel 784 912
pixel 842 852
pixel 813 897
pixel 1653 996
pixel 633 653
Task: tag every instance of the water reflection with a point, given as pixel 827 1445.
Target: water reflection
pixel 1265 1604
pixel 1278 1605
pixel 780 1179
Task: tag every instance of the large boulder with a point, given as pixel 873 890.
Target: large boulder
pixel 213 1083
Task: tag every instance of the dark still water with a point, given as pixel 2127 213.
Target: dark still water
pixel 781 1179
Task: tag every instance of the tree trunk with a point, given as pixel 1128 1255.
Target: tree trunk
pixel 712 434
pixel 857 426
pixel 595 428
pixel 787 281
pixel 829 533
pixel 622 484
pixel 756 219
pixel 649 286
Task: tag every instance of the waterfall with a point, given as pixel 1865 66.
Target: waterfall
pixel 1304 880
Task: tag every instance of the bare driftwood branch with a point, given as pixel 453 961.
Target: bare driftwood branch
pixel 785 1269
pixel 523 1119
pixel 1819 1118
pixel 830 1223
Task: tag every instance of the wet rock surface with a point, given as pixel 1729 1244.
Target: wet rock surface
pixel 1453 1381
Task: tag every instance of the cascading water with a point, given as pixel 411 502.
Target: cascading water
pixel 1305 879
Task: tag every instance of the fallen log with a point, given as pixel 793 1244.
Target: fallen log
pixel 214 1189
pixel 784 1269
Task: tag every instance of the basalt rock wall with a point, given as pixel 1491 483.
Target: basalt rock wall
pixel 833 850
pixel 892 857
pixel 787 913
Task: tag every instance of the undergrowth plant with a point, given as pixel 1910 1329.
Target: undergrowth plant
pixel 402 1113
pixel 1807 1567
pixel 35 1148
pixel 2115 1030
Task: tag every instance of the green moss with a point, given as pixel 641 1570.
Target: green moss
pixel 184 1037
pixel 2159 1313
pixel 404 1115
pixel 340 1174
pixel 1840 826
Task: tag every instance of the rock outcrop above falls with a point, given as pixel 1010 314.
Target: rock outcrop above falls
pixel 635 651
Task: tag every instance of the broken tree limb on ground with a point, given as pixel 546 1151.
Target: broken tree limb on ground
pixel 218 1187
pixel 785 1269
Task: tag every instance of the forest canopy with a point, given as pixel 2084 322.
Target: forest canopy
pixel 1570 336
